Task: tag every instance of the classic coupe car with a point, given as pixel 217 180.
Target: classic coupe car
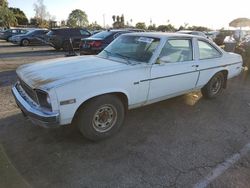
pixel 136 69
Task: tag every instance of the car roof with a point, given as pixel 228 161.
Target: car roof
pixel 163 35
pixel 118 30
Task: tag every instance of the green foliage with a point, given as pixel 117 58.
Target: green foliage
pixel 7 18
pixel 3 3
pixel 166 28
pixel 152 27
pixel 140 25
pixel 118 21
pixel 20 16
pixel 94 26
pixel 77 18
pixel 198 28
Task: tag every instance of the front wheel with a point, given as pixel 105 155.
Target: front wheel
pixel 214 87
pixel 25 42
pixel 101 117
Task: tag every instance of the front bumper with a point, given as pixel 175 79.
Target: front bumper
pixel 34 113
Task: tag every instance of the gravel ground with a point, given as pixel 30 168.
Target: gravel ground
pixel 175 143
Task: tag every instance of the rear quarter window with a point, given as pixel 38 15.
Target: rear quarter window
pixel 207 51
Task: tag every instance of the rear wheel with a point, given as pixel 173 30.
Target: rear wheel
pixel 214 87
pixel 101 117
pixel 66 46
pixel 25 42
pixel 57 48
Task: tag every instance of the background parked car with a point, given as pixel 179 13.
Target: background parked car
pixel 97 42
pixel 5 35
pixel 60 38
pixel 199 33
pixel 32 37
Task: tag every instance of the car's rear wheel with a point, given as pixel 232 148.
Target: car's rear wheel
pixel 214 87
pixel 100 117
pixel 66 46
pixel 25 42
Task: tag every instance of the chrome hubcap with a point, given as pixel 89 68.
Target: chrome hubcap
pixel 216 85
pixel 104 118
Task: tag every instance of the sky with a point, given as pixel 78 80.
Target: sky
pixel 214 14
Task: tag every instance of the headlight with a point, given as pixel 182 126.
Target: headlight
pixel 44 99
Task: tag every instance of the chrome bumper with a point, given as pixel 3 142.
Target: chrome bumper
pixel 36 115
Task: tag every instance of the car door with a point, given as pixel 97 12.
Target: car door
pixel 175 71
pixel 209 60
pixel 39 36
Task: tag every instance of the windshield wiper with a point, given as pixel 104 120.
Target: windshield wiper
pixel 117 54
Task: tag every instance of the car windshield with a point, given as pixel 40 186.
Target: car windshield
pixel 131 48
pixel 102 34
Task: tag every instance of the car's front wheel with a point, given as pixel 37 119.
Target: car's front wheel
pixel 101 117
pixel 214 87
pixel 25 42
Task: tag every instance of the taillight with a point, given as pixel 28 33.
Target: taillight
pixel 95 44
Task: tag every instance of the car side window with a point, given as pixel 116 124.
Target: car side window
pixel 83 32
pixel 207 51
pixel 116 35
pixel 177 50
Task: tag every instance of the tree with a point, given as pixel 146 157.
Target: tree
pixel 94 26
pixel 7 18
pixel 118 21
pixel 140 25
pixel 78 18
pixel 166 28
pixel 118 18
pixel 152 27
pixel 41 14
pixel 198 28
pixel 20 16
pixel 122 19
pixel 113 18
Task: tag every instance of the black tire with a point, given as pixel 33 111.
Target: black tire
pixel 25 42
pixel 66 46
pixel 214 87
pixel 57 48
pixel 8 39
pixel 101 117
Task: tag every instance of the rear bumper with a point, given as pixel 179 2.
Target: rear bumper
pixel 35 114
pixel 87 51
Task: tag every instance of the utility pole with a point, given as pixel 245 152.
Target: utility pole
pixel 104 24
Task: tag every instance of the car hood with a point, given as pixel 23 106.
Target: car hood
pixel 52 73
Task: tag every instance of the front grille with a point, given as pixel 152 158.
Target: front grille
pixel 28 90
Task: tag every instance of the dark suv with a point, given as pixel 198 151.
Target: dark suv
pixel 97 42
pixel 60 38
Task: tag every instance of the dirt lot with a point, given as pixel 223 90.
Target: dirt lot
pixel 182 142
